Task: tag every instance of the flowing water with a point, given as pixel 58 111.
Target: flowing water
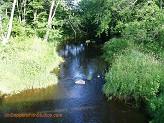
pixel 68 102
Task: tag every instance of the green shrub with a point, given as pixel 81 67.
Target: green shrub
pixel 26 64
pixel 135 75
pixel 156 108
pixel 114 47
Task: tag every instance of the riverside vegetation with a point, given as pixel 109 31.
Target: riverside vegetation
pixel 134 49
pixel 26 64
pixel 136 75
pixel 28 32
pixel 133 32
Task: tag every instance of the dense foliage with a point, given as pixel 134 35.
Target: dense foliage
pixel 35 18
pixel 135 48
pixel 134 75
pixel 156 108
pixel 25 59
pixel 135 32
pixel 26 64
pixel 113 48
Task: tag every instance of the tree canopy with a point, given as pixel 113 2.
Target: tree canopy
pixel 130 27
pixel 35 17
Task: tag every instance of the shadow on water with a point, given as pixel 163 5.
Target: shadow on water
pixel 76 103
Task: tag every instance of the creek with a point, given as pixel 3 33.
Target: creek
pixel 76 103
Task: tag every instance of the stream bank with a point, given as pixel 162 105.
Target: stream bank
pixel 77 103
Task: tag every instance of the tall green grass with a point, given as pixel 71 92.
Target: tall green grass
pixel 134 75
pixel 25 63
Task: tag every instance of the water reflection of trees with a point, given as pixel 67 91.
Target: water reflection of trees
pixel 83 60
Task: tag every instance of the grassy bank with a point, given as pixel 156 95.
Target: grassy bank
pixel 26 64
pixel 136 74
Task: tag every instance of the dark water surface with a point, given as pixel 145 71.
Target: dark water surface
pixel 76 103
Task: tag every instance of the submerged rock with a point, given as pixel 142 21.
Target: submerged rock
pixel 80 82
pixel 89 78
pixel 98 76
pixel 88 41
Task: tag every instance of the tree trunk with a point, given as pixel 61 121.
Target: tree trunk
pixel 49 21
pixel 6 12
pixel 24 11
pixel 55 11
pixel 50 18
pixel 19 16
pixel 161 3
pixel 5 40
pixel 35 14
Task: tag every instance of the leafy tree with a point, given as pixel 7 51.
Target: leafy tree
pixel 139 23
pixel 87 12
